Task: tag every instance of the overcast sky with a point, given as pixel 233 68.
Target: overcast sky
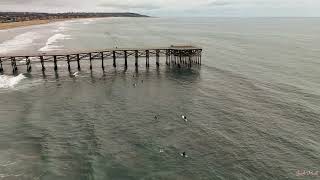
pixel 272 8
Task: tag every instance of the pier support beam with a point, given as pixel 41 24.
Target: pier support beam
pixel 1 68
pixel 114 58
pixel 14 65
pixel 42 63
pixel 28 63
pixel 167 57
pixel 180 59
pixel 102 59
pixel 125 59
pixel 136 58
pixel 90 59
pixel 68 61
pixel 78 61
pixel 147 58
pixel 157 57
pixel 55 63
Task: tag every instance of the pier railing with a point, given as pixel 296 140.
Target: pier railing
pixel 174 55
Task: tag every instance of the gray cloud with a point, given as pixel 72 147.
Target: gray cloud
pixel 32 2
pixel 121 5
pixel 171 7
pixel 221 3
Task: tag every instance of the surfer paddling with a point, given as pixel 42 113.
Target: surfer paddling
pixel 184 118
pixel 184 154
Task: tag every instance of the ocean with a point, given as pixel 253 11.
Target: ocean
pixel 253 106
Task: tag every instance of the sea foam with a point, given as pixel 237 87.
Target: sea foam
pixel 19 42
pixel 51 42
pixel 10 81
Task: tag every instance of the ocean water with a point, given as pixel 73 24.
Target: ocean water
pixel 253 107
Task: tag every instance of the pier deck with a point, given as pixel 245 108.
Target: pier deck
pixel 177 55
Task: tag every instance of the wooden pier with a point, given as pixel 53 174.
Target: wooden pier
pixel 174 55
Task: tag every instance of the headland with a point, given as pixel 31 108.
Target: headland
pixel 10 20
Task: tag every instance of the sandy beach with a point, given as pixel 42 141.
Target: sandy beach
pixel 4 26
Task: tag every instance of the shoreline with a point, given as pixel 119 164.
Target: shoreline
pixel 13 25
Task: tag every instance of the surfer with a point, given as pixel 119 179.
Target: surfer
pixel 75 74
pixel 184 118
pixel 184 154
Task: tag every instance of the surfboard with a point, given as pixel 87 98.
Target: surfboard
pixel 184 118
pixel 183 155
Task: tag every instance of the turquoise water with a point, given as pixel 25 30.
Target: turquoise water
pixel 253 107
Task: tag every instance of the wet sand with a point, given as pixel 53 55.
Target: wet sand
pixel 4 26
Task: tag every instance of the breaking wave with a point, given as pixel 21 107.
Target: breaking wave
pixel 19 42
pixel 10 81
pixel 51 44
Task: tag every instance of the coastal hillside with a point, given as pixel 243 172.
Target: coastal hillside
pixel 8 17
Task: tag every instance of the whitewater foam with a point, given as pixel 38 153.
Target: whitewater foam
pixel 19 42
pixel 62 27
pixel 51 42
pixel 88 21
pixel 10 81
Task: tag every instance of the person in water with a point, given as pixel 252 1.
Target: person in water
pixel 155 117
pixel 184 154
pixel 184 118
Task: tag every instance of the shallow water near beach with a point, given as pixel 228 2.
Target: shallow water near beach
pixel 253 107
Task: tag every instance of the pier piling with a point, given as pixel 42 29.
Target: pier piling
pixel 114 59
pixel 180 59
pixel 28 63
pixel 102 59
pixel 90 59
pixel 167 55
pixel 14 65
pixel 147 58
pixel 1 68
pixel 125 59
pixel 157 57
pixel 68 61
pixel 42 63
pixel 78 62
pixel 55 63
pixel 136 58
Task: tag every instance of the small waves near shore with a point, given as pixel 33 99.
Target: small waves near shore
pixel 10 81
